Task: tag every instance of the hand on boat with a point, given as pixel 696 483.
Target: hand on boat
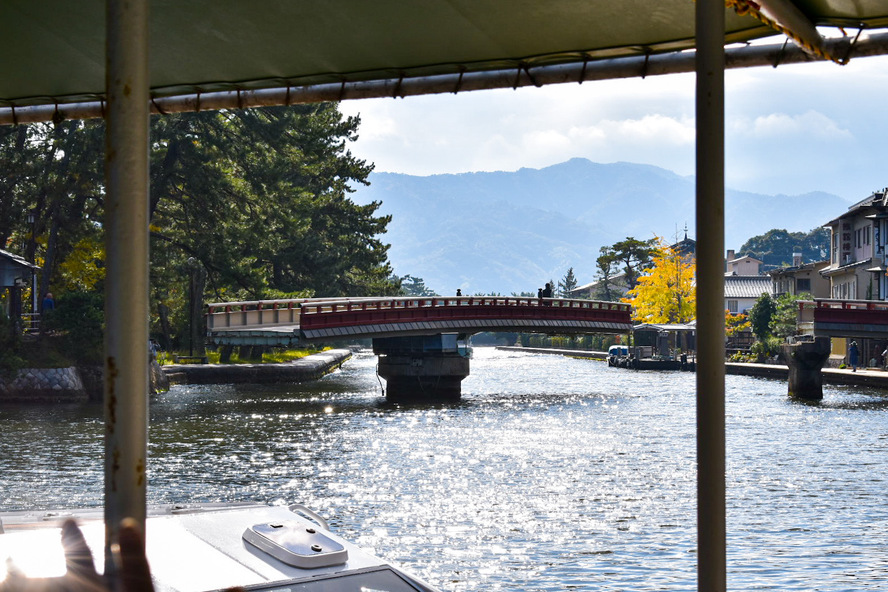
pixel 133 572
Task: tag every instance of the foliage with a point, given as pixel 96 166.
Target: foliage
pixel 784 322
pixel 259 199
pixel 667 292
pixel 760 316
pixel 770 347
pixel 634 255
pixel 567 283
pixel 775 247
pixel 10 360
pixel 736 323
pixel 78 319
pixel 83 269
pixel 607 269
pixel 414 286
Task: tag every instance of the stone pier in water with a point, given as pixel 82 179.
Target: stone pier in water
pixel 805 361
pixel 422 368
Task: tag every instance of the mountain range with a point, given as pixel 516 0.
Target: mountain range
pixel 503 232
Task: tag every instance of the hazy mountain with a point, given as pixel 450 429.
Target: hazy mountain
pixel 513 231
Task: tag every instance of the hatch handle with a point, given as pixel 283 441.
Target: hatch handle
pixel 299 508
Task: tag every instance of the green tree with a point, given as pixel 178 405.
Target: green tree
pixel 776 247
pixel 760 316
pixel 258 199
pixel 607 270
pixel 567 283
pixel 415 286
pixel 784 321
pixel 632 254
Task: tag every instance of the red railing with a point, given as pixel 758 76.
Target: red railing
pixel 338 313
pixel 862 312
pixel 317 313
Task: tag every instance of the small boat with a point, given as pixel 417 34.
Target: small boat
pixel 657 347
pixel 212 547
pixel 617 354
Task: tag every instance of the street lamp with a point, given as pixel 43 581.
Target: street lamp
pixel 32 259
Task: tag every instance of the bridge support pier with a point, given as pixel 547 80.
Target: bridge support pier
pixel 805 361
pixel 422 368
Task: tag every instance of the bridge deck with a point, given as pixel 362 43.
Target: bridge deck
pixel 844 318
pixel 286 322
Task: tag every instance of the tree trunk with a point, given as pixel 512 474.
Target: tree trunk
pixel 197 330
pixel 163 313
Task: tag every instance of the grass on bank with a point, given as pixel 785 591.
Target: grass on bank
pixel 276 356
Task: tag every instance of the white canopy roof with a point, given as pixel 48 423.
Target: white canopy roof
pixel 54 50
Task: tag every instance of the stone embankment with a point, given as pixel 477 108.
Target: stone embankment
pixel 573 353
pixel 863 377
pixel 43 385
pixel 308 368
pixel 78 385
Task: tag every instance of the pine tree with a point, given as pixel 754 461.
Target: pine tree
pixel 567 284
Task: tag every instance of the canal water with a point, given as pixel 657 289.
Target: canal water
pixel 552 473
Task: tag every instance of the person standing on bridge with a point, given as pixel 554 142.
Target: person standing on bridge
pixel 853 356
pixel 547 291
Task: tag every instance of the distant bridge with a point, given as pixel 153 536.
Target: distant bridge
pixel 290 322
pixel 843 318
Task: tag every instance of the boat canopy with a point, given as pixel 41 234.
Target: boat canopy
pixel 54 50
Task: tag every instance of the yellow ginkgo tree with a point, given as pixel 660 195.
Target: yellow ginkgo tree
pixel 666 292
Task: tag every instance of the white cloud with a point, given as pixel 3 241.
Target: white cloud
pixel 810 124
pixel 790 130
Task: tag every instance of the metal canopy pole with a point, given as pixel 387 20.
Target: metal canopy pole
pixel 711 540
pixel 126 247
pixel 627 67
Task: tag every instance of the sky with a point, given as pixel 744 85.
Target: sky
pixel 790 130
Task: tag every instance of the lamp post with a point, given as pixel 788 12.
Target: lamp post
pixel 32 248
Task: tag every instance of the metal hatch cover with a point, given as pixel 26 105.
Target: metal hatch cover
pixel 296 544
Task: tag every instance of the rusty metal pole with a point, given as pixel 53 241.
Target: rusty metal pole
pixel 126 247
pixel 711 529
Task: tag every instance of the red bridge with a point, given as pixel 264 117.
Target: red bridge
pixel 844 318
pixel 287 322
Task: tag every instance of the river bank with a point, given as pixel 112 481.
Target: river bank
pixel 868 377
pixel 310 367
pixel 82 384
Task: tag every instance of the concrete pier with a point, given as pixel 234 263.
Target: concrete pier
pixel 422 368
pixel 805 361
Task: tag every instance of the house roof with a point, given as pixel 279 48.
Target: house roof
pixel 747 286
pixel 664 327
pixel 877 201
pixel 812 266
pixel 745 258
pixel 846 268
pixel 15 260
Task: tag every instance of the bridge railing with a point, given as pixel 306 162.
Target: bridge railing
pixel 829 310
pixel 333 312
pixel 348 312
pixel 244 315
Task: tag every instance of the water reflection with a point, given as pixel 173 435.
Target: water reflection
pixel 551 474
